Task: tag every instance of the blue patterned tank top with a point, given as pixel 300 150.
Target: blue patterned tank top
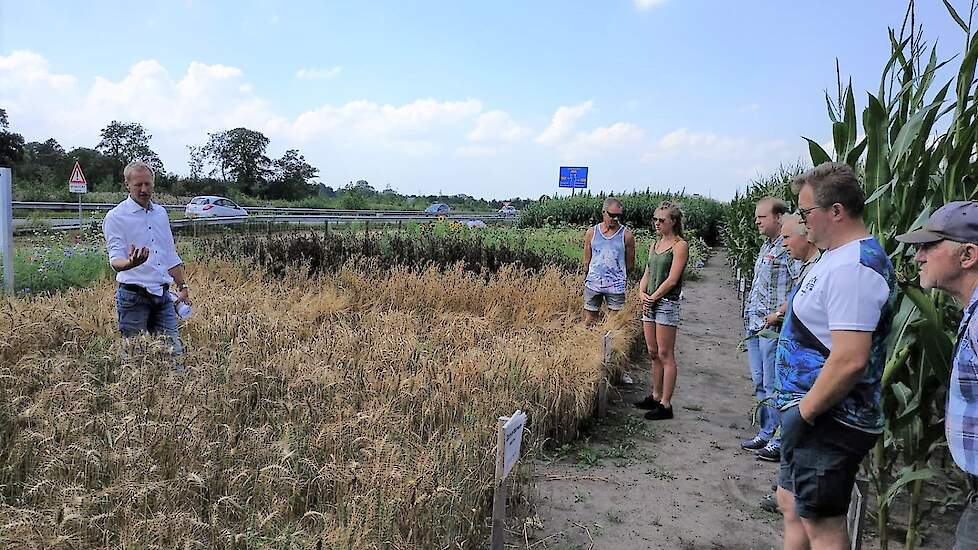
pixel 606 273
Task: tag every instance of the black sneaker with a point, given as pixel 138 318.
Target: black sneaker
pixel 662 413
pixel 755 444
pixel 649 404
pixel 769 454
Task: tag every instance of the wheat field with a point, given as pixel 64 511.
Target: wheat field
pixel 354 410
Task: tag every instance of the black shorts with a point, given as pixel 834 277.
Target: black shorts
pixel 819 463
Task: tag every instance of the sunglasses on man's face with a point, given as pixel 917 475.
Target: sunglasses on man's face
pixel 613 215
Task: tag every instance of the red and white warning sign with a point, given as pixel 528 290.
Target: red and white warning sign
pixel 77 182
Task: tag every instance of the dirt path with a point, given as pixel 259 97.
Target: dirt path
pixel 682 483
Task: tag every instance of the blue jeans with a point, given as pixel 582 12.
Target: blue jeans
pixel 760 355
pixel 144 312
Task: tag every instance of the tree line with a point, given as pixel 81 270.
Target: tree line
pixel 233 163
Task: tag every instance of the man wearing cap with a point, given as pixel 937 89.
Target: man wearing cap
pixel 142 252
pixel 830 359
pixel 948 258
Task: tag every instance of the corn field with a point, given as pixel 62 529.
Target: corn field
pixel 740 236
pixel 349 410
pixel 702 216
pixel 917 152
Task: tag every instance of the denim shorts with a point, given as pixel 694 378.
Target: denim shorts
pixel 663 312
pixel 593 300
pixel 144 312
pixel 819 463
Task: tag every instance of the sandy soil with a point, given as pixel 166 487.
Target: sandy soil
pixel 683 483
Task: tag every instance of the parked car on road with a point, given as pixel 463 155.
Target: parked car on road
pixel 438 208
pixel 508 210
pixel 213 207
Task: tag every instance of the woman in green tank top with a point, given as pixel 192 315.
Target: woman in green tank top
pixel 660 290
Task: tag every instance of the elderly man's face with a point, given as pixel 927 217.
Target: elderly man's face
pixel 940 263
pixel 797 245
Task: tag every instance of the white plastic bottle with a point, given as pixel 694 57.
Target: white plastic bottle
pixel 183 309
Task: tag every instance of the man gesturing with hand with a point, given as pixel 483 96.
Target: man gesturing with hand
pixel 144 256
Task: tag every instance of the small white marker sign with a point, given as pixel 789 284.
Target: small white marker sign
pixel 513 437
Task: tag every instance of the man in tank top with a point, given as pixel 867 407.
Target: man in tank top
pixel 609 254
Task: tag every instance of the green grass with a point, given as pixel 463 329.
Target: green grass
pixel 44 269
pixel 48 261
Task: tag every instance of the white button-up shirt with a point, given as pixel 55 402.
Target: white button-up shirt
pixel 131 224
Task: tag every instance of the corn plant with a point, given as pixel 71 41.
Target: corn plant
pixel 701 214
pixel 918 152
pixel 740 235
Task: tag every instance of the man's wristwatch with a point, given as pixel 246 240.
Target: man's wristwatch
pixel 183 286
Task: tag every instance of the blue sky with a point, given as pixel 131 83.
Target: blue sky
pixel 487 99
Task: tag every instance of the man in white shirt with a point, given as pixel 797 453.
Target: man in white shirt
pixel 830 359
pixel 144 256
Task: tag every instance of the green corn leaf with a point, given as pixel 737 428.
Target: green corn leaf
pixel 911 131
pixel 817 153
pixel 830 108
pixel 956 17
pixel 839 139
pixel 849 120
pixel 906 476
pixel 880 191
pixel 852 158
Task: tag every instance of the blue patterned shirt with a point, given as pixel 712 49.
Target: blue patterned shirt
pixel 850 288
pixel 961 421
pixel 774 272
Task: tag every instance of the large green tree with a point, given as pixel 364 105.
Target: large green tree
pixel 11 144
pixel 238 156
pixel 124 142
pixel 292 177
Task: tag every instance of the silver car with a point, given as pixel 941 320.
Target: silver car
pixel 213 207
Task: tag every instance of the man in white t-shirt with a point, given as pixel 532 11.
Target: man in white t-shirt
pixel 830 360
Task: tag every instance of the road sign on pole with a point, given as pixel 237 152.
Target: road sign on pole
pixel 574 177
pixel 7 230
pixel 78 184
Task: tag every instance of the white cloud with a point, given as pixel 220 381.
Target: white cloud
pixel 474 151
pixel 382 123
pixel 683 142
pixel 648 4
pixel 421 145
pixel 497 126
pixel 563 123
pixel 752 108
pixel 318 74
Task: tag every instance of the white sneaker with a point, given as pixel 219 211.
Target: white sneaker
pixel 626 379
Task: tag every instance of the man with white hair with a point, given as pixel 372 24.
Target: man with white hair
pixel 143 255
pixel 948 257
pixel 794 237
